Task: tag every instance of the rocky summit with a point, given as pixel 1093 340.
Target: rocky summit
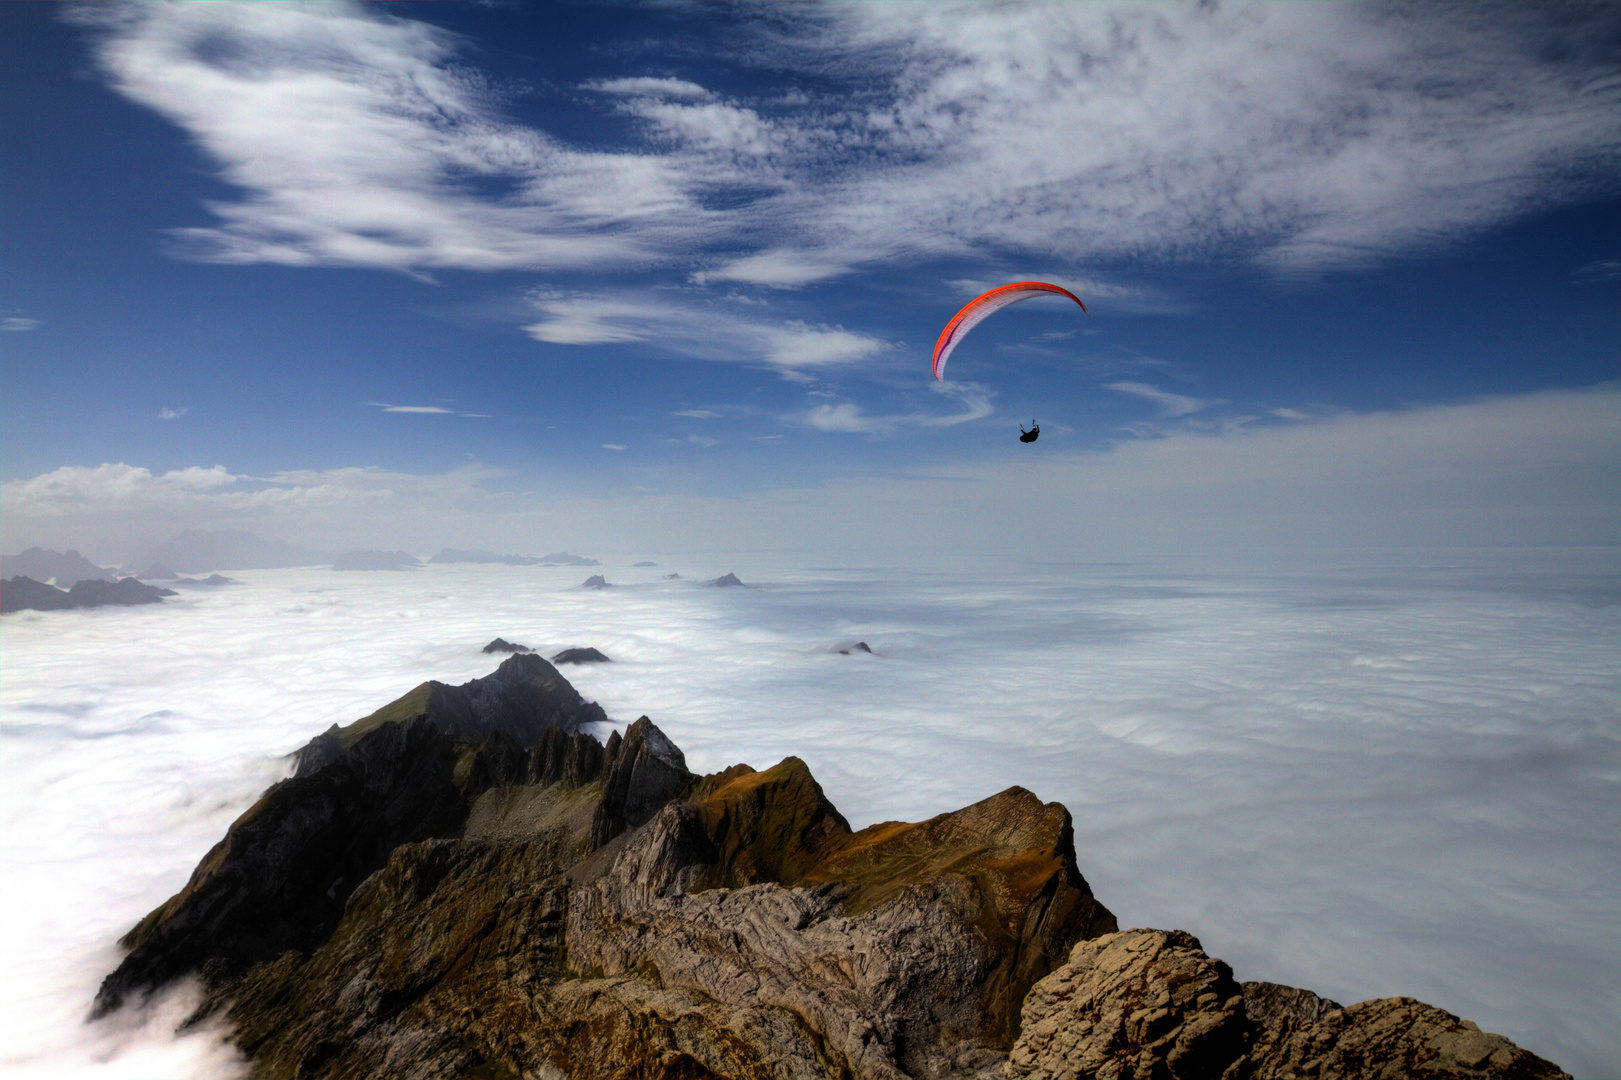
pixel 585 655
pixel 468 883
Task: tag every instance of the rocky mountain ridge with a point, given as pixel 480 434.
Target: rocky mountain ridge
pixel 45 565
pixel 468 883
pixel 25 594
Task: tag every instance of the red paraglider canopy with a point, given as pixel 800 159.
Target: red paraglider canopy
pixel 980 307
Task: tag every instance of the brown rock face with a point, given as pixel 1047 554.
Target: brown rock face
pixel 441 891
pixel 901 950
pixel 1150 1004
pixel 1133 1006
pixel 468 884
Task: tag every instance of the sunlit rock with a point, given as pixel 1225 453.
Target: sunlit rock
pixel 1150 1005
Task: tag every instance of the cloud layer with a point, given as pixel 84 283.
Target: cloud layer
pixel 1305 137
pixel 1367 778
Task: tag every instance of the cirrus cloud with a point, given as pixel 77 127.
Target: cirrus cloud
pixel 1303 137
pixel 702 329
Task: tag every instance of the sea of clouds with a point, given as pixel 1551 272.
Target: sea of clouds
pixel 1372 777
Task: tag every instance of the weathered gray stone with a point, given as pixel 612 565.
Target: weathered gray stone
pixel 1272 1003
pixel 1136 1005
pixel 1150 1004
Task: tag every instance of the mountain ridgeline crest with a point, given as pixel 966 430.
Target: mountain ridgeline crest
pixel 468 882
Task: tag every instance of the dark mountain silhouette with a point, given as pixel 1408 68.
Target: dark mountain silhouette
pixel 457 555
pixel 25 594
pixel 563 558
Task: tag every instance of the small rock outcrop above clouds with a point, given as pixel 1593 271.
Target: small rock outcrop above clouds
pixel 727 581
pixel 468 883
pixel 25 594
pixel 595 581
pixel 503 645
pixel 456 555
pixel 45 565
pixel 580 656
pixel 845 648
pixel 563 558
pixel 645 562
pixel 212 581
pixel 672 577
pixel 376 560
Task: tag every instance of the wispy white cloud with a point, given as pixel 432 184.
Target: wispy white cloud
pixel 645 86
pixel 358 141
pixel 18 324
pixel 431 410
pixel 1602 270
pixel 612 446
pixel 698 414
pixel 1169 404
pixel 846 417
pixel 1303 137
pixel 796 344
pixel 780 269
pixel 700 328
pixel 1308 136
pixel 409 408
pixel 173 414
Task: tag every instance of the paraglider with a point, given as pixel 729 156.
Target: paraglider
pixel 982 307
pixel 976 311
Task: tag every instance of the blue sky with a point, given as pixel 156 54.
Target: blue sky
pixel 615 275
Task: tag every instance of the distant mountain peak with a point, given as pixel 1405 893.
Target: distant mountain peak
pixel 44 565
pixel 196 551
pixel 563 558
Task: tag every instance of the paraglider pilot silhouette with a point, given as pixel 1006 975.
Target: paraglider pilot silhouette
pixel 976 311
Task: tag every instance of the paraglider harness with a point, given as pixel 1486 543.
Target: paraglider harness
pixel 1033 434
